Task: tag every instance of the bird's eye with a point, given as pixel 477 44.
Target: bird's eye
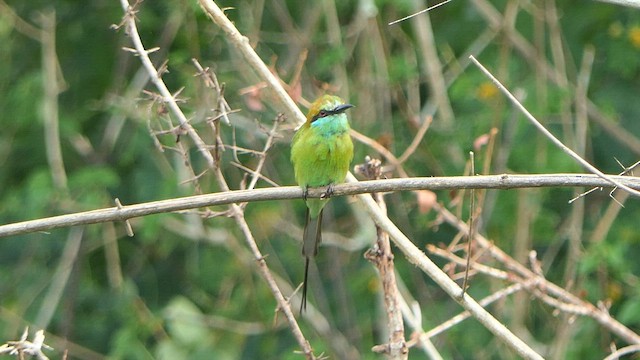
pixel 322 113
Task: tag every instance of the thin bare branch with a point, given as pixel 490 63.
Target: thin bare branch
pixel 241 43
pixel 294 192
pixel 256 174
pixel 417 257
pixel 416 140
pixel 156 79
pixel 549 288
pixel 500 294
pixel 60 278
pixel 549 135
pixel 625 350
pixel 472 212
pixel 419 12
pixel 382 257
pixel 432 67
pixel 629 3
pixel 52 88
pixel 235 210
pixel 388 155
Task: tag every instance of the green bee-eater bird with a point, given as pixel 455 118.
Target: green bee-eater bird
pixel 321 153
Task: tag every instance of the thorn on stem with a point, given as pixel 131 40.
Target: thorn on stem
pixel 127 224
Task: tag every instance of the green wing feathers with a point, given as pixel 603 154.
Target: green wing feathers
pixel 320 161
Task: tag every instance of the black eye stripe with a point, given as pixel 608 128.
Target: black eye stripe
pixel 324 113
pixel 321 114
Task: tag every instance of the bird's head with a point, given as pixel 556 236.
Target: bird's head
pixel 326 105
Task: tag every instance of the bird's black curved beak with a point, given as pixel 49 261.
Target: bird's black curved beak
pixel 342 108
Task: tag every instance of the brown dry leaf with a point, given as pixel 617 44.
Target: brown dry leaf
pixel 426 200
pixel 253 97
pixel 481 141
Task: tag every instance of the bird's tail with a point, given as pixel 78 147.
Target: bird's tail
pixel 303 304
pixel 310 242
pixel 312 234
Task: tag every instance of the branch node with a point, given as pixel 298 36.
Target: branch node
pixel 391 348
pixel 373 254
pixel 127 224
pixel 370 169
pixel 23 347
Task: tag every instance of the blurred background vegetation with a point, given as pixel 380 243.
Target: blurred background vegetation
pixel 185 286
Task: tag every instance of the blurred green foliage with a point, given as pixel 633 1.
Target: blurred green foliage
pixel 186 288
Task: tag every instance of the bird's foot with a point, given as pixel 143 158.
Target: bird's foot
pixel 327 194
pixel 305 193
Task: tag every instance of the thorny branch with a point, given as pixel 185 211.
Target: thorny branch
pixel 126 212
pixel 544 288
pixel 528 280
pixel 382 257
pixel 24 347
pixel 235 210
pixel 549 135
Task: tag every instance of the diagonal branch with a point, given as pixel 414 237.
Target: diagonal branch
pixel 236 210
pixel 602 317
pixel 417 257
pixel 156 79
pixel 241 43
pixel 585 164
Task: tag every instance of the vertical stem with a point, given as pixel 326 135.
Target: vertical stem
pixel 50 103
pixel 382 257
pixel 397 345
pixel 432 65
